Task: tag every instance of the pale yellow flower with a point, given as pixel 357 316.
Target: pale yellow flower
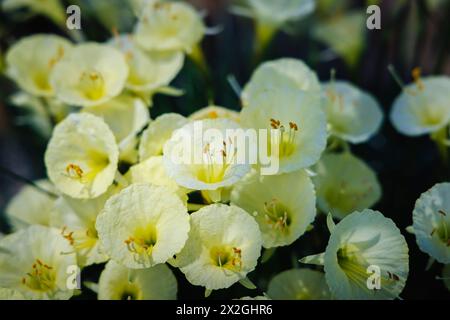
pixel 31 60
pixel 142 226
pixel 82 156
pixel 223 247
pixel 36 263
pixel 90 74
pixel 169 26
pixel 119 283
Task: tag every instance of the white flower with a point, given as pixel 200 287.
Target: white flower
pixel 200 157
pixel 279 74
pixel 431 222
pixel 158 132
pixel 82 156
pixel 143 225
pixel 90 74
pixel 119 283
pixel 295 124
pixel 37 263
pixel 422 107
pixel 223 247
pixel 149 71
pixel 353 115
pixel 31 60
pixel 168 26
pixel 299 284
pixel 283 205
pixel 31 206
pixel 366 257
pixel 344 184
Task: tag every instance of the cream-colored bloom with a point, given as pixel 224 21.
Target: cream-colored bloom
pixel 31 206
pixel 422 107
pixel 126 116
pixel 280 12
pixel 10 294
pixel 50 8
pixel 345 184
pixel 366 257
pixel 149 71
pixel 31 60
pixel 283 205
pixel 199 156
pixel 35 263
pixel 344 34
pixel 281 73
pixel 76 220
pixel 158 132
pixel 353 115
pixel 215 112
pixel 119 283
pixel 299 284
pixel 143 225
pixel 295 124
pixel 223 247
pixel 431 222
pixel 90 74
pixel 82 156
pixel 153 171
pixel 169 26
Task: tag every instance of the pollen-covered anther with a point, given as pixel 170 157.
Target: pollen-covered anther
pixel 416 74
pixel 41 277
pixel 68 235
pixel 74 171
pixel 237 258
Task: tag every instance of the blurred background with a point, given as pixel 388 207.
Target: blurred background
pixel 414 33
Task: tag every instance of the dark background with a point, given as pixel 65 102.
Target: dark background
pixel 412 35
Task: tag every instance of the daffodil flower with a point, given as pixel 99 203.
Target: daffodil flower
pixel 422 107
pixel 119 283
pixel 281 73
pixel 431 222
pixel 149 71
pixel 295 125
pixel 36 265
pixel 31 206
pixel 169 26
pixel 353 115
pixel 90 74
pixel 158 133
pixel 76 220
pixel 366 257
pixel 82 156
pixel 299 284
pixel 31 61
pixel 223 247
pixel 345 184
pixel 283 205
pixel 271 15
pixel 142 226
pixel 198 160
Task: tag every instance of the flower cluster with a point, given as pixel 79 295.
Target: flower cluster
pixel 116 197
